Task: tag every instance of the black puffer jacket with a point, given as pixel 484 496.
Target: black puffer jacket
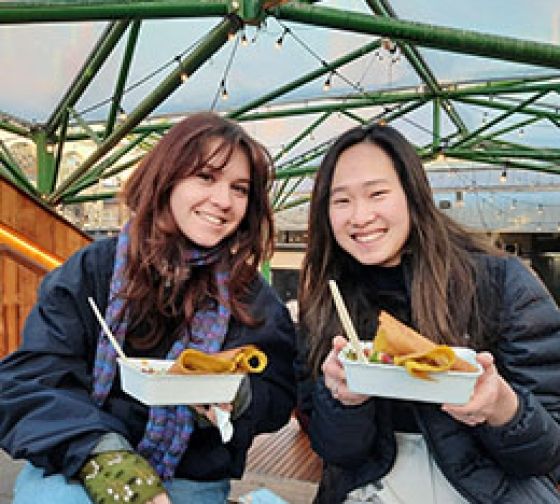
pixel 47 415
pixel 508 464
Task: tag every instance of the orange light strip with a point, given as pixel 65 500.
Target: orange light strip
pixel 25 247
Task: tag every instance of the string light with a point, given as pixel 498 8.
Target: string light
pixel 182 75
pixel 223 91
pixel 327 84
pixel 280 39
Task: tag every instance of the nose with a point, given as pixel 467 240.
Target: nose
pixel 362 214
pixel 221 195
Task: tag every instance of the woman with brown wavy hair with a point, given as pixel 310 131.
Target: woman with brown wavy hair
pixel 181 274
pixel 374 228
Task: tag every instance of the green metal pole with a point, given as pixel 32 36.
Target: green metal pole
pixel 497 105
pixel 301 136
pixel 426 35
pixel 212 42
pixel 10 127
pixel 325 69
pixel 61 140
pixel 436 127
pixel 14 170
pixel 123 74
pixel 94 62
pixel 383 8
pixel 45 162
pixel 498 119
pixel 91 10
pixel 91 134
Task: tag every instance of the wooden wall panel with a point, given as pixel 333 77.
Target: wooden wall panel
pixel 20 278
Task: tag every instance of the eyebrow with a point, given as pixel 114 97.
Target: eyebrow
pixel 369 183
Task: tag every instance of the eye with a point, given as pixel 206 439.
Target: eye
pixel 241 189
pixel 205 176
pixel 378 194
pixel 340 201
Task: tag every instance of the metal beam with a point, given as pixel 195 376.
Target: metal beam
pixel 207 47
pixel 123 74
pixel 89 70
pixel 425 35
pixel 325 69
pixel 96 10
pixel 413 56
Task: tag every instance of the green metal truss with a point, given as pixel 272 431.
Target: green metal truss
pixel 113 140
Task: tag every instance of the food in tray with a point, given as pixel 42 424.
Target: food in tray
pixel 396 343
pixel 244 359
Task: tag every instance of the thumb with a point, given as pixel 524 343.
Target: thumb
pixel 338 343
pixel 485 359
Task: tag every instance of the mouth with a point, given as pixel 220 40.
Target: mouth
pixel 369 237
pixel 211 218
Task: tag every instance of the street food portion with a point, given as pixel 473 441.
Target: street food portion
pixel 245 359
pixel 416 353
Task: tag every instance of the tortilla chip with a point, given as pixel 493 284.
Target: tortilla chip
pixel 245 359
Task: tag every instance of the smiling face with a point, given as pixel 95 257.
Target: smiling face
pixel 209 205
pixel 368 209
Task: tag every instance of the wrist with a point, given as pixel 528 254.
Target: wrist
pixel 506 406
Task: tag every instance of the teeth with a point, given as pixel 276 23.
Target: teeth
pixel 368 238
pixel 211 218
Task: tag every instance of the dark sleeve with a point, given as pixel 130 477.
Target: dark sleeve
pixel 341 435
pixel 304 380
pixel 273 391
pixel 46 415
pixel 528 357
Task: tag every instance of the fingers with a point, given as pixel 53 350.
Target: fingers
pixel 160 499
pixel 482 402
pixel 338 343
pixel 335 377
pixel 485 359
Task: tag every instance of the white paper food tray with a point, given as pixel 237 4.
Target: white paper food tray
pixel 388 380
pixel 160 389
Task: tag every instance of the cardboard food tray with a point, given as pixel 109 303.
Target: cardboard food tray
pixel 388 380
pixel 147 381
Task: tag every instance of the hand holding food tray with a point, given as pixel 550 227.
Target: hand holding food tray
pixel 403 364
pixel 194 377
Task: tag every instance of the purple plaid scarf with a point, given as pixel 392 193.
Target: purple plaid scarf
pixel 169 428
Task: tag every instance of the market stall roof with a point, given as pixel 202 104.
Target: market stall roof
pixel 476 82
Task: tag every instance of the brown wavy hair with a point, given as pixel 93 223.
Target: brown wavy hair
pixel 443 289
pixel 156 242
